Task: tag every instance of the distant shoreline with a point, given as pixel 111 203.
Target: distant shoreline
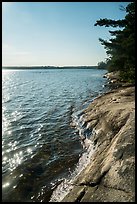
pixel 50 67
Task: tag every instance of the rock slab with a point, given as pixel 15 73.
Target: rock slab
pixel 110 175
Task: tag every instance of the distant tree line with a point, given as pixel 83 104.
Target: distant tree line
pixel 102 65
pixel 120 48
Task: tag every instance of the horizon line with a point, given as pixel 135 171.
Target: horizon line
pixel 49 65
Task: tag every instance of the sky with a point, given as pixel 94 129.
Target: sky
pixel 55 33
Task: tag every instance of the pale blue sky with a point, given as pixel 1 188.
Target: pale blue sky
pixel 55 33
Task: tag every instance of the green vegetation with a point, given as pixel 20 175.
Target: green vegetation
pixel 120 48
pixel 102 65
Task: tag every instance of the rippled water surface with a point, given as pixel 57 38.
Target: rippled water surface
pixel 39 145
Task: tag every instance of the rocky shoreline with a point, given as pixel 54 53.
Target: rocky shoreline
pixel 110 175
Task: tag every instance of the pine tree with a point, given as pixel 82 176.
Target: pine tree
pixel 121 47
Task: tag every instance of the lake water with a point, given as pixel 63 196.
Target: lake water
pixel 39 145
